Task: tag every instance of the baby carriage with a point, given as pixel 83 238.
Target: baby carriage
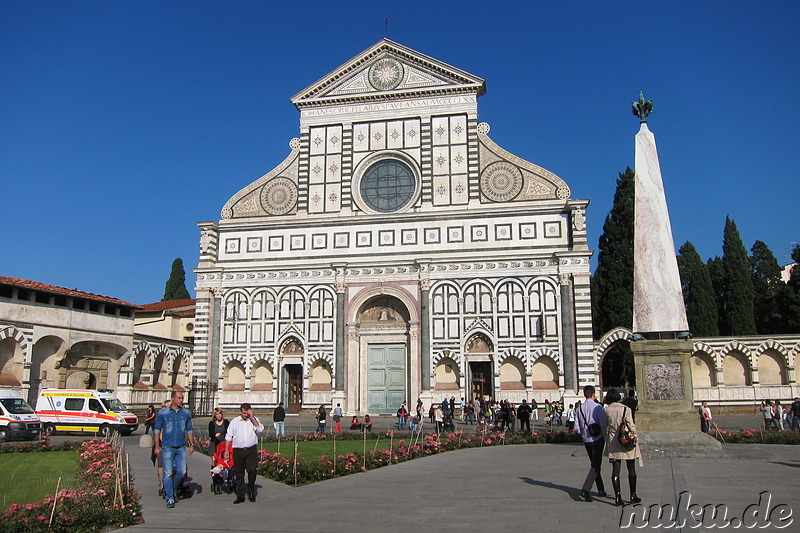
pixel 222 472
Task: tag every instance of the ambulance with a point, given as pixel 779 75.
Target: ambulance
pixel 17 419
pixel 84 411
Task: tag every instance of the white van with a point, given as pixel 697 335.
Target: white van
pixel 17 419
pixel 84 411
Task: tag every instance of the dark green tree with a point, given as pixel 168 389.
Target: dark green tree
pixel 698 293
pixel 767 285
pixel 175 288
pixel 612 282
pixel 738 283
pixel 716 271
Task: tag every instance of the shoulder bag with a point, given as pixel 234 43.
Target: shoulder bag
pixel 625 434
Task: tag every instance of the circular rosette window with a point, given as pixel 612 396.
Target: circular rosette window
pixel 385 74
pixel 501 182
pixel 279 196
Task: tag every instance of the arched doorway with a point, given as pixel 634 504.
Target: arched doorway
pixel 480 352
pixel 292 356
pixel 383 327
pixel 617 368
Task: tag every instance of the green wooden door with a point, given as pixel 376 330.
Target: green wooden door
pixel 386 379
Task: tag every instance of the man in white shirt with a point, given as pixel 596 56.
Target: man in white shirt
pixel 242 437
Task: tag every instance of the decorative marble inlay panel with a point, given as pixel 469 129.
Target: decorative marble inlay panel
pixel 664 381
pixel 455 234
pixel 319 241
pixel 386 238
pixel 501 182
pixel 552 230
pixel 432 236
pixel 502 232
pixel 233 246
pixel 409 236
pixel 276 243
pixel 297 242
pixel 254 244
pixel 527 230
pixel 279 196
pixel 479 233
pixel 363 239
pixel 341 240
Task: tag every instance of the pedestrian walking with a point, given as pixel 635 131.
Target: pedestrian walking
pixel 592 424
pixel 242 438
pixel 172 428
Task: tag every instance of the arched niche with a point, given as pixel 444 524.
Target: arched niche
pixel 771 369
pixel 261 376
pixel 544 373
pixel 233 377
pixel 11 358
pixel 735 370
pixel 446 375
pixel 703 372
pixel 512 374
pixel 321 376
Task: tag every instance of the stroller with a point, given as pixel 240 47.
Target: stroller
pixel 222 472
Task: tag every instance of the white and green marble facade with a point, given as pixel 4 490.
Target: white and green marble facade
pixel 484 259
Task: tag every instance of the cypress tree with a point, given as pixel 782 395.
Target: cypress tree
pixel 175 288
pixel 698 293
pixel 767 285
pixel 738 283
pixel 716 271
pixel 612 283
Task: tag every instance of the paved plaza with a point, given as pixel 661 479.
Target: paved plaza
pixel 519 487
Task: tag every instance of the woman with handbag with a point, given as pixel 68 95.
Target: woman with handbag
pixel 621 444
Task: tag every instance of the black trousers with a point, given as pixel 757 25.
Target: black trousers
pixel 523 423
pixel 595 452
pixel 245 459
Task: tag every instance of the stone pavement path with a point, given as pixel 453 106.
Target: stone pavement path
pixel 519 487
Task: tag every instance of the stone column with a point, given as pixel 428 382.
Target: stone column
pixel 425 344
pixel 568 347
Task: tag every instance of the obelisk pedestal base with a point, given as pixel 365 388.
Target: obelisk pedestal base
pixel 664 386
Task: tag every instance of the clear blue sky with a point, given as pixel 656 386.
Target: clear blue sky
pixel 124 123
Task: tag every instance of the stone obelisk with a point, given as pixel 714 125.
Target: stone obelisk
pixel 660 344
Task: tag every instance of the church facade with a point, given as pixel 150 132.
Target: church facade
pixel 396 253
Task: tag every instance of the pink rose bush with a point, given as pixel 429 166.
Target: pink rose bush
pixel 99 503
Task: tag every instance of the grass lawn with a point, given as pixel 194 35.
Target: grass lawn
pixel 29 477
pixel 316 449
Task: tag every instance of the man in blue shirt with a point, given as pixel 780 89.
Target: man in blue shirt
pixel 592 426
pixel 173 426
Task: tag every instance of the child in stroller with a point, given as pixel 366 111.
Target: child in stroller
pixel 222 473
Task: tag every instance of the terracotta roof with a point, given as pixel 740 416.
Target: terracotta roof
pixel 169 304
pixel 44 287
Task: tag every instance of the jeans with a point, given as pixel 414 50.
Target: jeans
pixel 401 424
pixel 795 423
pixel 321 427
pixel 279 429
pixel 173 461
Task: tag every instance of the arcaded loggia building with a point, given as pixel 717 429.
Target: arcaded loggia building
pixel 396 253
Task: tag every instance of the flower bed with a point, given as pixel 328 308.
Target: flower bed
pixel 301 471
pixel 105 498
pixel 756 436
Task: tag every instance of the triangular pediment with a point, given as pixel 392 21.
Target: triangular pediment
pixel 388 70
